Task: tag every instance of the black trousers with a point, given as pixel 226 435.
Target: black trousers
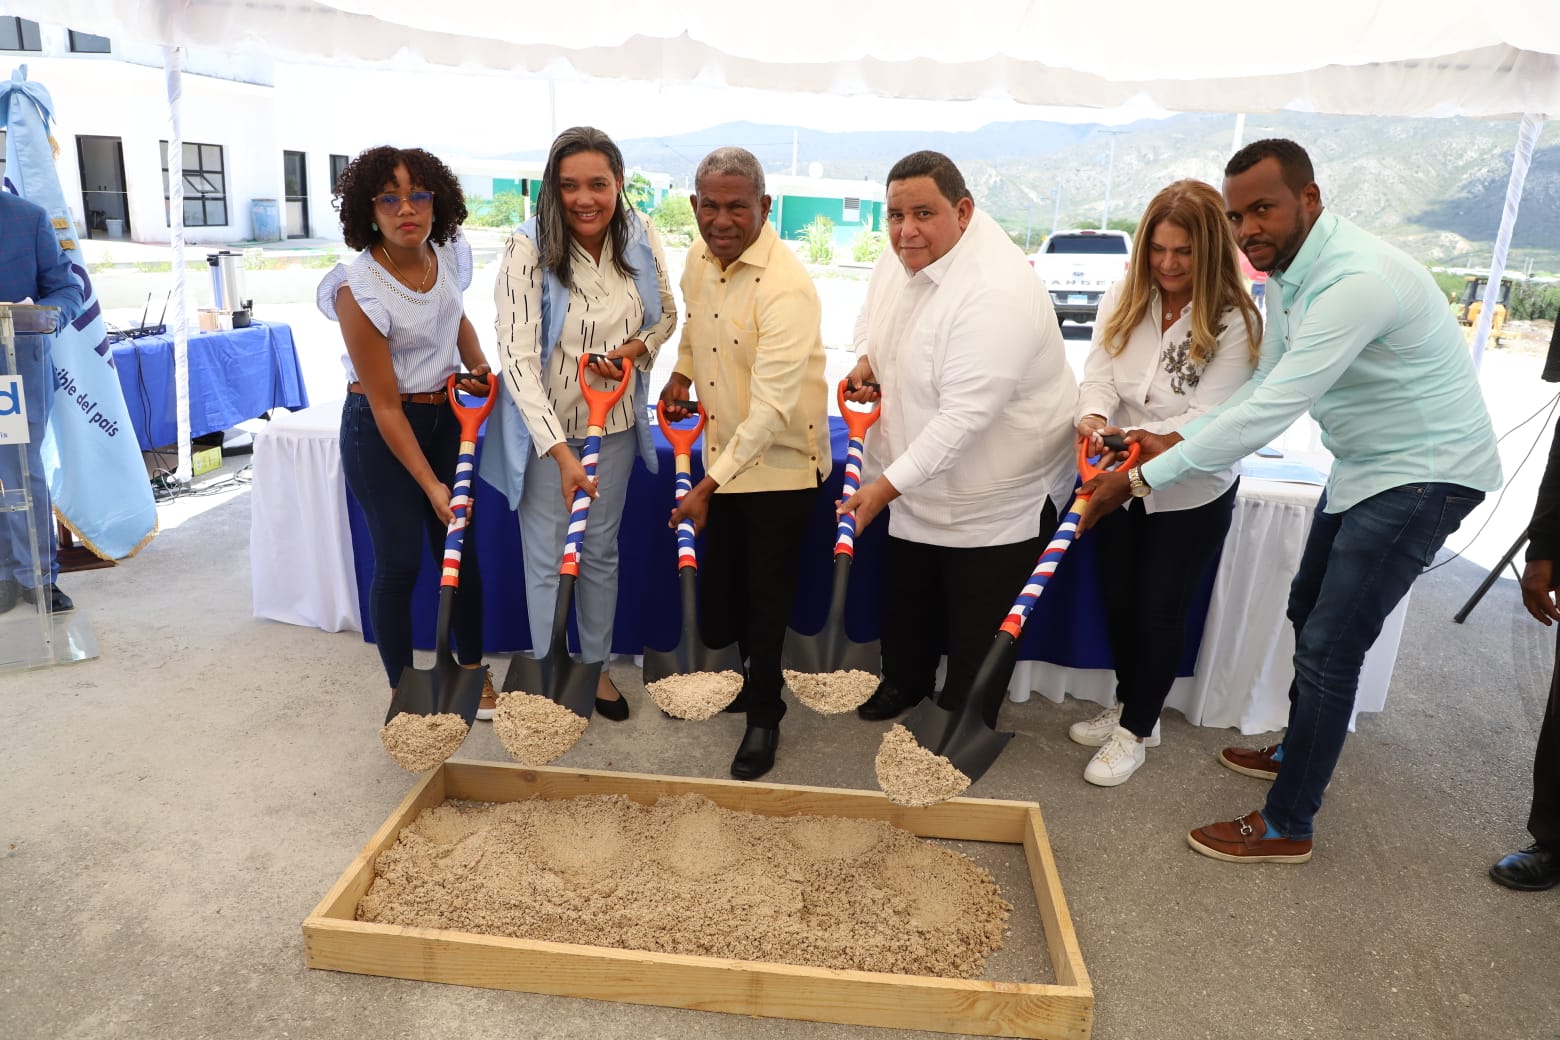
pixel 747 584
pixel 1544 819
pixel 935 597
pixel 1150 564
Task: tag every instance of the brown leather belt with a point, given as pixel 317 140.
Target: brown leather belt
pixel 431 397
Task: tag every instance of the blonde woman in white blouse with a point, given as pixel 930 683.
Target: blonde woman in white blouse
pixel 1174 338
pixel 586 275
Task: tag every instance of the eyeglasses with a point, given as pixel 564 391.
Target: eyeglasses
pixel 388 203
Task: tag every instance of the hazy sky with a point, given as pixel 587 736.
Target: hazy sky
pixel 468 107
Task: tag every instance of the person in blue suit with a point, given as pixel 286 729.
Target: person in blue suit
pixel 33 269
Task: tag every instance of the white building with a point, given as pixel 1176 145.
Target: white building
pixel 261 140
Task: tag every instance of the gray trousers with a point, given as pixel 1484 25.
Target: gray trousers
pixel 544 521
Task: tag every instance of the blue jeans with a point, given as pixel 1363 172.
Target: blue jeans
pixel 36 367
pixel 1356 567
pixel 400 521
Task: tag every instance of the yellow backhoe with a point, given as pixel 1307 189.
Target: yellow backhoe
pixel 1472 302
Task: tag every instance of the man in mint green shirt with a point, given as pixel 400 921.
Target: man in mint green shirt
pixel 1359 335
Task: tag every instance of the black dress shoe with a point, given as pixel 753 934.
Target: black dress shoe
pixel 59 603
pixel 886 702
pixel 615 709
pixel 756 753
pixel 1532 869
pixel 10 592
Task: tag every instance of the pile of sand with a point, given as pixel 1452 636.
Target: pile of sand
pixel 696 695
pixel 686 876
pixel 420 742
pixel 535 730
pixel 911 775
pixel 831 693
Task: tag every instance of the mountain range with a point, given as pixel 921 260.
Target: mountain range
pixel 1434 187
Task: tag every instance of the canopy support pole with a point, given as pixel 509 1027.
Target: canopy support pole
pixel 1527 137
pixel 181 366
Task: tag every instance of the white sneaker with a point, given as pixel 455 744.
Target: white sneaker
pixel 1117 760
pixel 1096 731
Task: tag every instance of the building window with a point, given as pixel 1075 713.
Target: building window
pixel 86 43
pixel 18 34
pixel 205 185
pixel 852 213
pixel 338 166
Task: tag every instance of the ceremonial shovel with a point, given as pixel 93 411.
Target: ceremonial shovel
pixel 962 736
pixel 447 687
pixel 691 654
pixel 556 675
pixel 831 649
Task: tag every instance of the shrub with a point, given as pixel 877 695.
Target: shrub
pixel 818 241
pixel 867 246
pixel 674 216
pixel 504 210
pixel 1534 301
pixel 639 191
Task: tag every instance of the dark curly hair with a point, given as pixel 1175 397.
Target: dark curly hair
pixel 367 175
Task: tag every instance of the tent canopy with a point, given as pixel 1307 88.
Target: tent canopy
pixel 1498 58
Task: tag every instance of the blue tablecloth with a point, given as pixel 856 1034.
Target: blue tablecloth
pixel 233 376
pixel 1066 628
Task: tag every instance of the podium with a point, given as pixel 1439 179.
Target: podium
pixel 31 634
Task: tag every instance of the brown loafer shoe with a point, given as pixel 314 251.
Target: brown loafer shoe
pixel 1257 762
pixel 1242 841
pixel 489 702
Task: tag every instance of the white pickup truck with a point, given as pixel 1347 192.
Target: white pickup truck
pixel 1078 266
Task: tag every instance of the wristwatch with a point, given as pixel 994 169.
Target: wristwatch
pixel 1136 483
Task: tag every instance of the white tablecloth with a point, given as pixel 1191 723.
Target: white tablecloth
pixel 301 550
pixel 300 547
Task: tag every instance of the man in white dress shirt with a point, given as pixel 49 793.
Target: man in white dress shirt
pixel 976 435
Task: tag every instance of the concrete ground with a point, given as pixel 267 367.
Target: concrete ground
pixel 173 809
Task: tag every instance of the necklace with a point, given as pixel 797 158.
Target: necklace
pixel 427 266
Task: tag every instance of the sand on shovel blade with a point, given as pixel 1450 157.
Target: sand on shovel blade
pixel 832 693
pixel 535 730
pixel 911 775
pixel 696 695
pixel 420 742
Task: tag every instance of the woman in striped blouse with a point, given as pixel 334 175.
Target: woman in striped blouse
pixel 585 275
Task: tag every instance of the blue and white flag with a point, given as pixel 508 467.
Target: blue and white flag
pixel 96 475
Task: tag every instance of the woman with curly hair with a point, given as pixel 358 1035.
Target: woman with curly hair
pixel 586 275
pixel 400 311
pixel 1174 338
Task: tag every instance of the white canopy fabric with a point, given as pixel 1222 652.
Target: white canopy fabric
pixel 1490 59
pixel 1498 58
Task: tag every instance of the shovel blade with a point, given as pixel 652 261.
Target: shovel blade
pixel 689 656
pixel 830 651
pixel 462 691
pixel 960 737
pixel 558 677
pixel 416 694
pixel 524 674
pixel 972 747
pixel 929 724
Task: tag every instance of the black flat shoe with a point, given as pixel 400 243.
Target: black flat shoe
pixel 1532 869
pixel 756 753
pixel 616 710
pixel 886 702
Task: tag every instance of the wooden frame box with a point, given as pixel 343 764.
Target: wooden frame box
pixel 1065 1011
